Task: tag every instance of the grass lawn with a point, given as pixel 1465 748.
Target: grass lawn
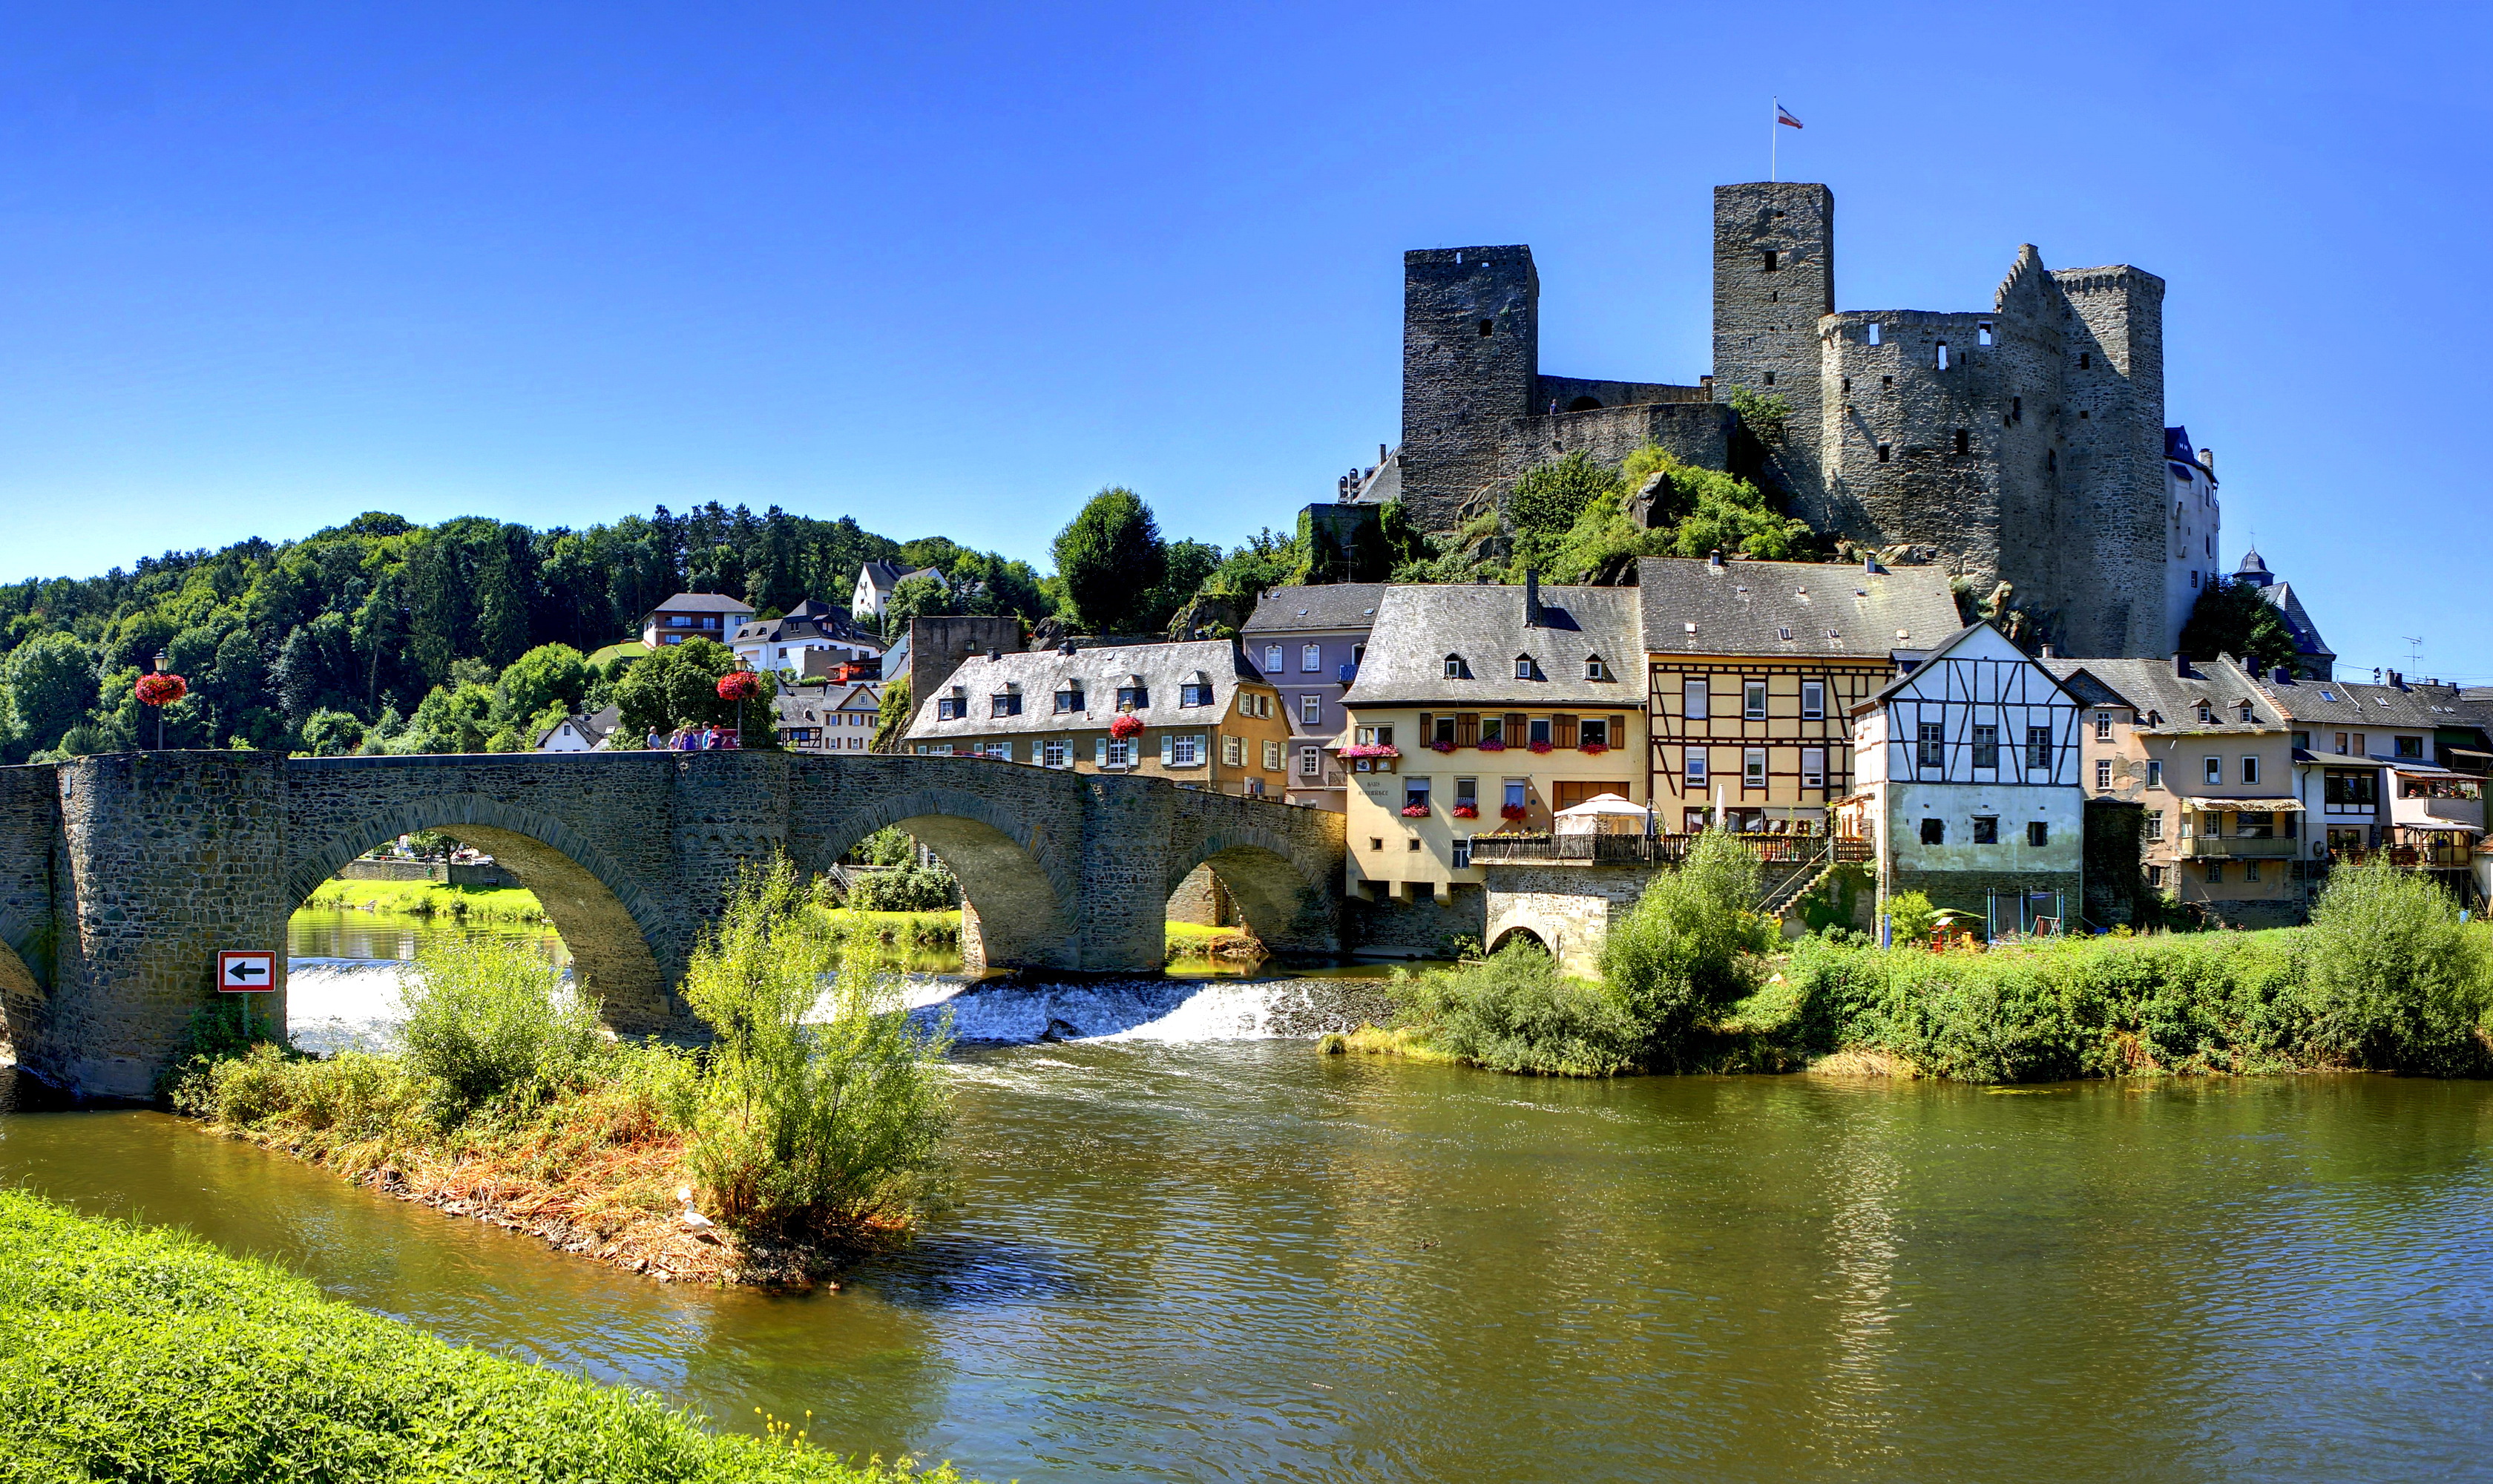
pixel 135 1353
pixel 431 898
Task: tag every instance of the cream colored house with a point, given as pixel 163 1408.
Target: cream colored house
pixel 1478 709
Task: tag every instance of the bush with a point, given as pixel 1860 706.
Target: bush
pixel 1912 915
pixel 805 1125
pixel 489 1022
pixel 1689 951
pixel 2395 980
pixel 910 888
pixel 1515 1012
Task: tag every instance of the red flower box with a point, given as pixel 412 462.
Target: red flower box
pixel 1414 811
pixel 1125 728
pixel 161 690
pixel 1492 744
pixel 1371 750
pixel 1466 812
pixel 738 686
pixel 1540 747
pixel 1594 747
pixel 1511 811
pixel 1441 747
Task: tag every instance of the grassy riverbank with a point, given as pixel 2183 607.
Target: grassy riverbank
pixel 2386 978
pixel 131 1353
pixel 431 898
pixel 799 1140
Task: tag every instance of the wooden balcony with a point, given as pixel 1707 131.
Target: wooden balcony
pixel 2236 847
pixel 1540 848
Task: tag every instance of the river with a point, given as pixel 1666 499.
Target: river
pixel 1237 1259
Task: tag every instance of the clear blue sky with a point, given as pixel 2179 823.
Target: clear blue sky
pixel 949 268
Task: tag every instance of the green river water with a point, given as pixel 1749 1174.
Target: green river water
pixel 1242 1261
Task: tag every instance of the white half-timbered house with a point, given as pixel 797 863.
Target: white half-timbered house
pixel 1966 771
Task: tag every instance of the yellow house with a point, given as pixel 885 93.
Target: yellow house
pixel 1754 668
pixel 1478 708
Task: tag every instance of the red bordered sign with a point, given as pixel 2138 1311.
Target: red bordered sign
pixel 245 971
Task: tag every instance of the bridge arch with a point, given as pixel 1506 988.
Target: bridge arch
pixel 608 922
pixel 1018 885
pixel 1283 896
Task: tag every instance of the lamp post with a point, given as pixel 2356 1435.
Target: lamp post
pixel 161 689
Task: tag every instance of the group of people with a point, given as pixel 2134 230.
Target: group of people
pixel 693 738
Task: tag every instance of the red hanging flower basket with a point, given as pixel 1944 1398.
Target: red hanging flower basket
pixel 1591 748
pixel 1414 811
pixel 161 690
pixel 1466 811
pixel 738 686
pixel 1511 811
pixel 1540 747
pixel 1125 728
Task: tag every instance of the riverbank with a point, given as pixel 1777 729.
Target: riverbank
pixel 132 1352
pixel 431 898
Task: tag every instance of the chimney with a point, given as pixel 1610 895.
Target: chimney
pixel 1713 558
pixel 2047 651
pixel 1531 598
pixel 1380 455
pixel 2181 665
pixel 2281 676
pixel 2397 682
pixel 1067 648
pixel 994 654
pixel 2207 460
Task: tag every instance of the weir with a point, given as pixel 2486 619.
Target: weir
pixel 122 876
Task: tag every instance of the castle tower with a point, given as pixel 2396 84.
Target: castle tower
pixel 1471 351
pixel 2112 428
pixel 1774 274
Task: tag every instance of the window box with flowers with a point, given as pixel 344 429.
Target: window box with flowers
pixel 1539 746
pixel 1414 811
pixel 1466 811
pixel 1492 744
pixel 1441 747
pixel 1593 748
pixel 1511 811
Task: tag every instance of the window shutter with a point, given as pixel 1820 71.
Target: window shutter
pixel 1168 748
pixel 1515 723
pixel 1562 731
pixel 1102 759
pixel 1427 733
pixel 1466 729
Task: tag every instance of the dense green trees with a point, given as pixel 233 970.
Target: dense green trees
pixel 1108 562
pixel 2232 617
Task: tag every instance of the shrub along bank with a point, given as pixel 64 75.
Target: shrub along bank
pixel 801 1134
pixel 128 1353
pixel 431 898
pixel 2386 977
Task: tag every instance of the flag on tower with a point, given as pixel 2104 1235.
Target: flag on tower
pixel 1782 115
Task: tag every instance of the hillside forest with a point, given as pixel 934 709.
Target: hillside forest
pixel 475 635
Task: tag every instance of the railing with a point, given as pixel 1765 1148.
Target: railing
pixel 1519 848
pixel 2236 847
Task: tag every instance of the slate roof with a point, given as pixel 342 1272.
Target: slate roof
pixel 703 602
pixel 1327 606
pixel 887 575
pixel 2149 686
pixel 1418 627
pixel 1744 608
pixel 2419 707
pixel 1040 673
pixel 806 620
pixel 597 727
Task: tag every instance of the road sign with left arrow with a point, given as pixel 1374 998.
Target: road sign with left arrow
pixel 242 971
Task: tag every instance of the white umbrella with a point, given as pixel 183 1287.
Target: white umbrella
pixel 1586 818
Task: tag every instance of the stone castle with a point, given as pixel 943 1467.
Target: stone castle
pixel 2023 443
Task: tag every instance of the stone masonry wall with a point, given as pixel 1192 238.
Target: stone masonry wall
pixel 1569 908
pixel 1471 356
pixel 30 823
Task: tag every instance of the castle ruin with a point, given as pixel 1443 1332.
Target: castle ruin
pixel 2023 443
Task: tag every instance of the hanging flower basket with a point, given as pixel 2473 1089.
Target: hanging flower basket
pixel 1441 747
pixel 738 686
pixel 1511 811
pixel 1371 750
pixel 1414 811
pixel 161 690
pixel 1541 746
pixel 1466 811
pixel 1125 728
pixel 1592 749
pixel 1492 744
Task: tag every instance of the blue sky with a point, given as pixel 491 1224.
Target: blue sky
pixel 951 268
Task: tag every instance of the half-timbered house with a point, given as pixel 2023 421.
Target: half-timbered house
pixel 1967 769
pixel 1752 669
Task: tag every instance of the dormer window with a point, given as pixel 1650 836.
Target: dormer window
pixel 2247 712
pixel 1005 702
pixel 1524 667
pixel 2204 715
pixel 1594 669
pixel 1134 695
pixel 1453 667
pixel 1069 699
pixel 953 707
pixel 1196 691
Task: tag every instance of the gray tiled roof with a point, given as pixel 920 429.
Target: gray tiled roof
pixel 808 619
pixel 1041 673
pixel 1325 606
pixel 2419 707
pixel 2150 686
pixel 703 602
pixel 1745 607
pixel 1418 627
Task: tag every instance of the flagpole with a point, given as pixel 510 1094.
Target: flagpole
pixel 1774 138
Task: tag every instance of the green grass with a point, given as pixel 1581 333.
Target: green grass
pixel 630 647
pixel 431 898
pixel 136 1353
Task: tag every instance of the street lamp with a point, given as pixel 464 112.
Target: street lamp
pixel 161 689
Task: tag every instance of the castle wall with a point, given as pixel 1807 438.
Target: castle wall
pixel 1566 390
pixel 1911 451
pixel 2113 371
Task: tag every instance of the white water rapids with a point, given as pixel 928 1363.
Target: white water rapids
pixel 338 1004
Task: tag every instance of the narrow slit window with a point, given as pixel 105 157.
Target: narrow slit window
pixel 1874 334
pixel 1963 440
pixel 1883 453
pixel 1770 378
pixel 1487 329
pixel 2016 409
pixel 1982 335
pixel 1943 356
pixel 1771 263
pixel 2086 360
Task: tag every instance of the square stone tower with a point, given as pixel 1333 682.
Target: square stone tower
pixel 1471 349
pixel 1774 275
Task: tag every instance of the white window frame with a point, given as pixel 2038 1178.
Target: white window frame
pixel 1692 765
pixel 1311 658
pixel 1813 700
pixel 1752 767
pixel 1752 701
pixel 1271 755
pixel 1273 657
pixel 1310 763
pixel 1310 711
pixel 1695 699
pixel 2215 770
pixel 2250 768
pixel 1057 753
pixel 2103 773
pixel 1813 767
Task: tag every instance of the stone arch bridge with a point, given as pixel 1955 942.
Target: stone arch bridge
pixel 121 876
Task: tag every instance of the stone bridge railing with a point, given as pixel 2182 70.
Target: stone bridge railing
pixel 121 876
